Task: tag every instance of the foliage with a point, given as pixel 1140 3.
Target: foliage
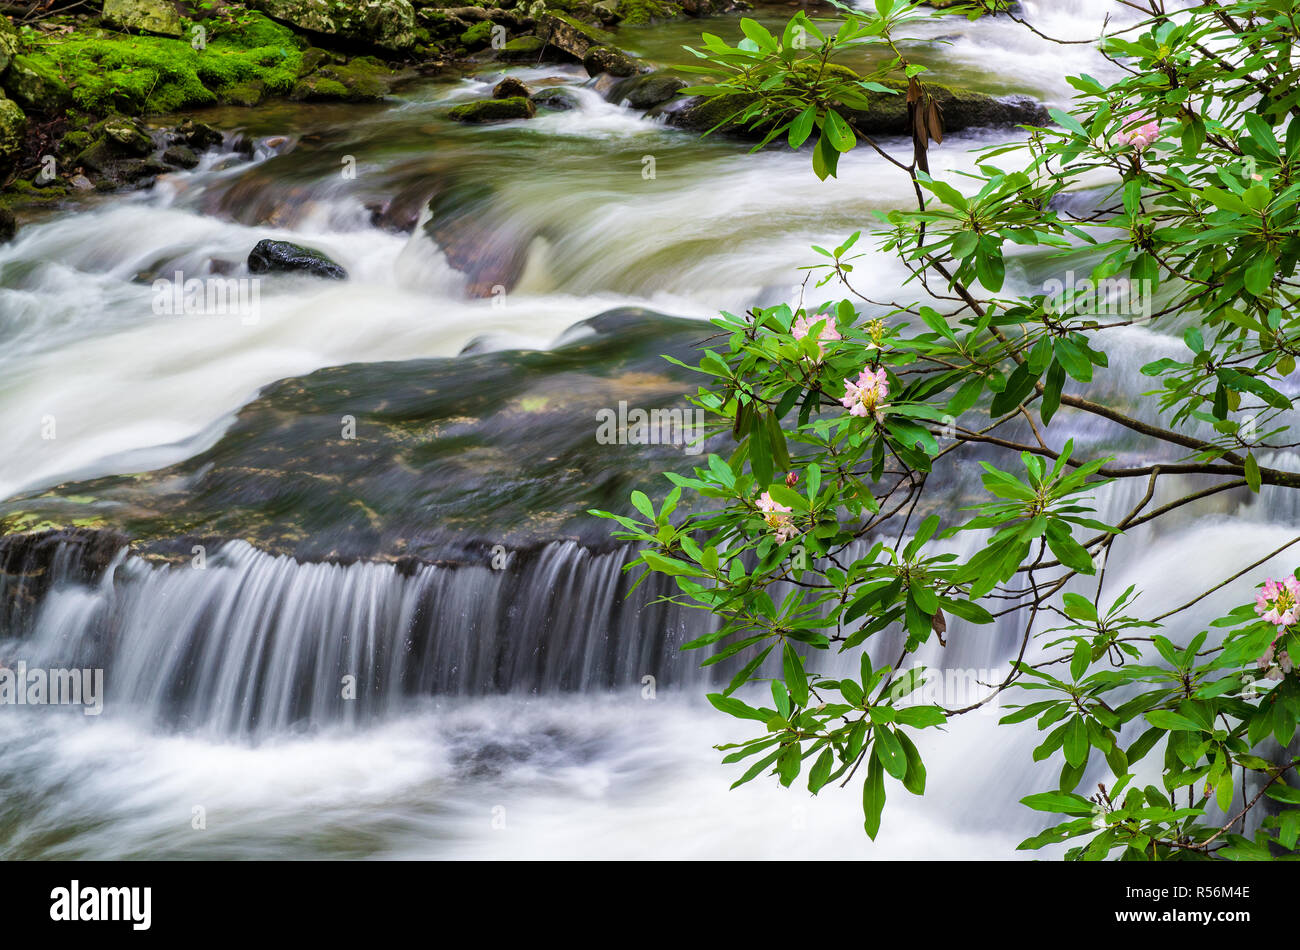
pixel 822 531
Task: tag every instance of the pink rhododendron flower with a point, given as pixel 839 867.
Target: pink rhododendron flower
pixel 1278 602
pixel 1141 136
pixel 804 325
pixel 777 517
pixel 867 395
pixel 1274 664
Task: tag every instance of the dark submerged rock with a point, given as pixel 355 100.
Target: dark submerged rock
pixel 283 257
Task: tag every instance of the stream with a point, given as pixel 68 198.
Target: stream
pixel 502 713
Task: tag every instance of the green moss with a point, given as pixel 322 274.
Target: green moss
pixel 318 87
pixel 641 12
pixel 480 34
pixel 522 48
pixel 248 93
pixel 137 74
pixel 74 142
pixel 494 110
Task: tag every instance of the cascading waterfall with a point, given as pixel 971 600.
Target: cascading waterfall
pixel 256 644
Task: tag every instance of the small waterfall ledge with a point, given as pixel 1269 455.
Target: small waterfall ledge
pixel 253 643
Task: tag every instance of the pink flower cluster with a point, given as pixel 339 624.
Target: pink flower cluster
pixel 1278 602
pixel 804 325
pixel 777 517
pixel 867 395
pixel 1274 664
pixel 1141 136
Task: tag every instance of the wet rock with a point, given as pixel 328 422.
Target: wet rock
pixel 558 99
pixel 961 108
pixel 180 155
pixel 13 124
pixel 284 257
pixel 509 88
pixel 28 559
pixel 645 92
pixel 127 136
pixel 8 225
pixel 118 151
pixel 607 59
pixel 572 36
pixel 488 247
pixel 140 170
pixel 499 447
pixel 704 113
pixel 714 7
pixel 199 135
pixel 386 24
pixel 142 16
pixel 528 49
pixel 81 183
pixel 494 110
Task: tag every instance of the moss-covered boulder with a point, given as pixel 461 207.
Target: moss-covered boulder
pixel 608 59
pixel 647 91
pixel 386 24
pixel 36 87
pixel 182 156
pixel 10 44
pixel 531 49
pixel 142 16
pixel 12 126
pixel 120 152
pixel 570 35
pixel 361 79
pixel 642 12
pixel 494 110
pixel 247 93
pixel 509 88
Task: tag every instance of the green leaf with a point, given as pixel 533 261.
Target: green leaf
pixel 891 753
pixel 841 136
pixel 802 127
pixel 795 678
pixel 1080 661
pixel 873 797
pixel 821 771
pixel 1062 803
pixel 826 159
pixel 642 504
pixel 914 781
pixel 1170 720
pixel 1076 741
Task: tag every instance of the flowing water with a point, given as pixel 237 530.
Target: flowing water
pixel 536 711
